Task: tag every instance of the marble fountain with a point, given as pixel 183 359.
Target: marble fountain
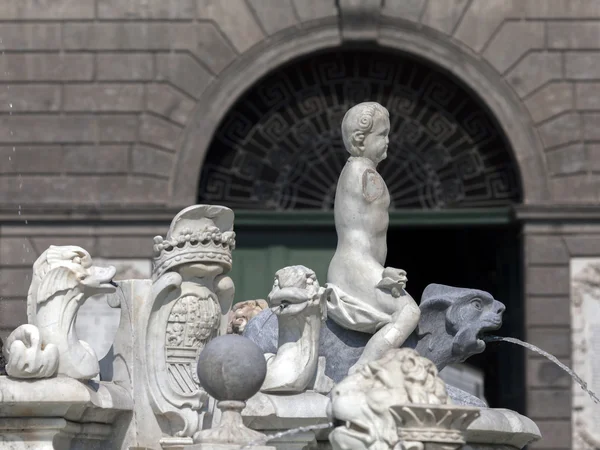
pixel 350 362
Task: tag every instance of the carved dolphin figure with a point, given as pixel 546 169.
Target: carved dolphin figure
pixel 452 322
pixel 63 279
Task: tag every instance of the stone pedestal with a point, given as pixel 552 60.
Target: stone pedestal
pixel 61 414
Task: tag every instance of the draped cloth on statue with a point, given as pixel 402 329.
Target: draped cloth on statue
pixel 353 313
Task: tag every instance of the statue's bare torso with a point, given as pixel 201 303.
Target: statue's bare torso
pixel 361 218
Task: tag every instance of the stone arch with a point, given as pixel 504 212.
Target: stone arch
pixel 280 146
pixel 427 45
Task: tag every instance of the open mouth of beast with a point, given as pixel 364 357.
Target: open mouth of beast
pixel 101 279
pixel 489 326
pixel 355 429
pixel 289 301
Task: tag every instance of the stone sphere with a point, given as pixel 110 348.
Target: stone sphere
pixel 231 367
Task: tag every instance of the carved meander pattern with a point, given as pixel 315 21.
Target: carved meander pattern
pixel 280 147
pixel 192 323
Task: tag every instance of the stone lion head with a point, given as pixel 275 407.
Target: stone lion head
pixel 361 402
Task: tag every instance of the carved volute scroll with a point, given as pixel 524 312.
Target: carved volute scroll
pixel 190 302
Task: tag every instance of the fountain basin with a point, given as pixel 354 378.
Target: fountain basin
pixel 272 413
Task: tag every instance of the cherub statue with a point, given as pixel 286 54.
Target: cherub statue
pixel 362 294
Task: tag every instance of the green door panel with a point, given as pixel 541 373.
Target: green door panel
pixel 259 254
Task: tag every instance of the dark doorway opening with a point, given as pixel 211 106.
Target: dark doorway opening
pixel 485 258
pixel 480 257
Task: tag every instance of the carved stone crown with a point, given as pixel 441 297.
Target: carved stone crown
pixel 198 234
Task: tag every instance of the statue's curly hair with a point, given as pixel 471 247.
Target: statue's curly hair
pixel 360 118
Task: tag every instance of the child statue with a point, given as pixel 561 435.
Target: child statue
pixel 361 294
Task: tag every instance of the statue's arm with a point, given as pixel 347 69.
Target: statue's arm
pixel 372 185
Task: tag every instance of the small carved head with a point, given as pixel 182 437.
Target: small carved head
pixel 242 312
pixel 295 288
pixel 365 129
pixel 66 268
pixel 469 313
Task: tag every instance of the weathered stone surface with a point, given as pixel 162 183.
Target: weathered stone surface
pixel 567 160
pixel 14 282
pixel 149 9
pixel 549 404
pixel 593 154
pixel 481 20
pixel 444 16
pixel 47 128
pixel 117 128
pixel 108 190
pixel 591 126
pixel 274 15
pixel 47 9
pixel 546 249
pixel 551 100
pixel 124 66
pixel 558 9
pixel 235 19
pixel 46 67
pixel 13 312
pixel 184 72
pixel 129 36
pixel 556 341
pixel 125 247
pixel 542 373
pixel 108 159
pixel 501 51
pixel 555 434
pixel 65 159
pixel 315 9
pixel 42 243
pixel 168 102
pixel 159 132
pixel 16 251
pixel 547 280
pixel 587 95
pixel 583 245
pixel 582 65
pixel 104 97
pixel 534 70
pixel 548 311
pixel 150 161
pixel 579 188
pixel 573 35
pixel 561 129
pixel 212 48
pixel 27 36
pixel 30 97
pixel 407 10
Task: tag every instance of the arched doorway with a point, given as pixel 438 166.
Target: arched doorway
pixel 277 154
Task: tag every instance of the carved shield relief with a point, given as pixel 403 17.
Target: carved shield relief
pixel 192 323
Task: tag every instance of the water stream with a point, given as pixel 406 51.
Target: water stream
pixel 289 432
pixel 552 358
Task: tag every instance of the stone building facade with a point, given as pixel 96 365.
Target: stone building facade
pixel 109 108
